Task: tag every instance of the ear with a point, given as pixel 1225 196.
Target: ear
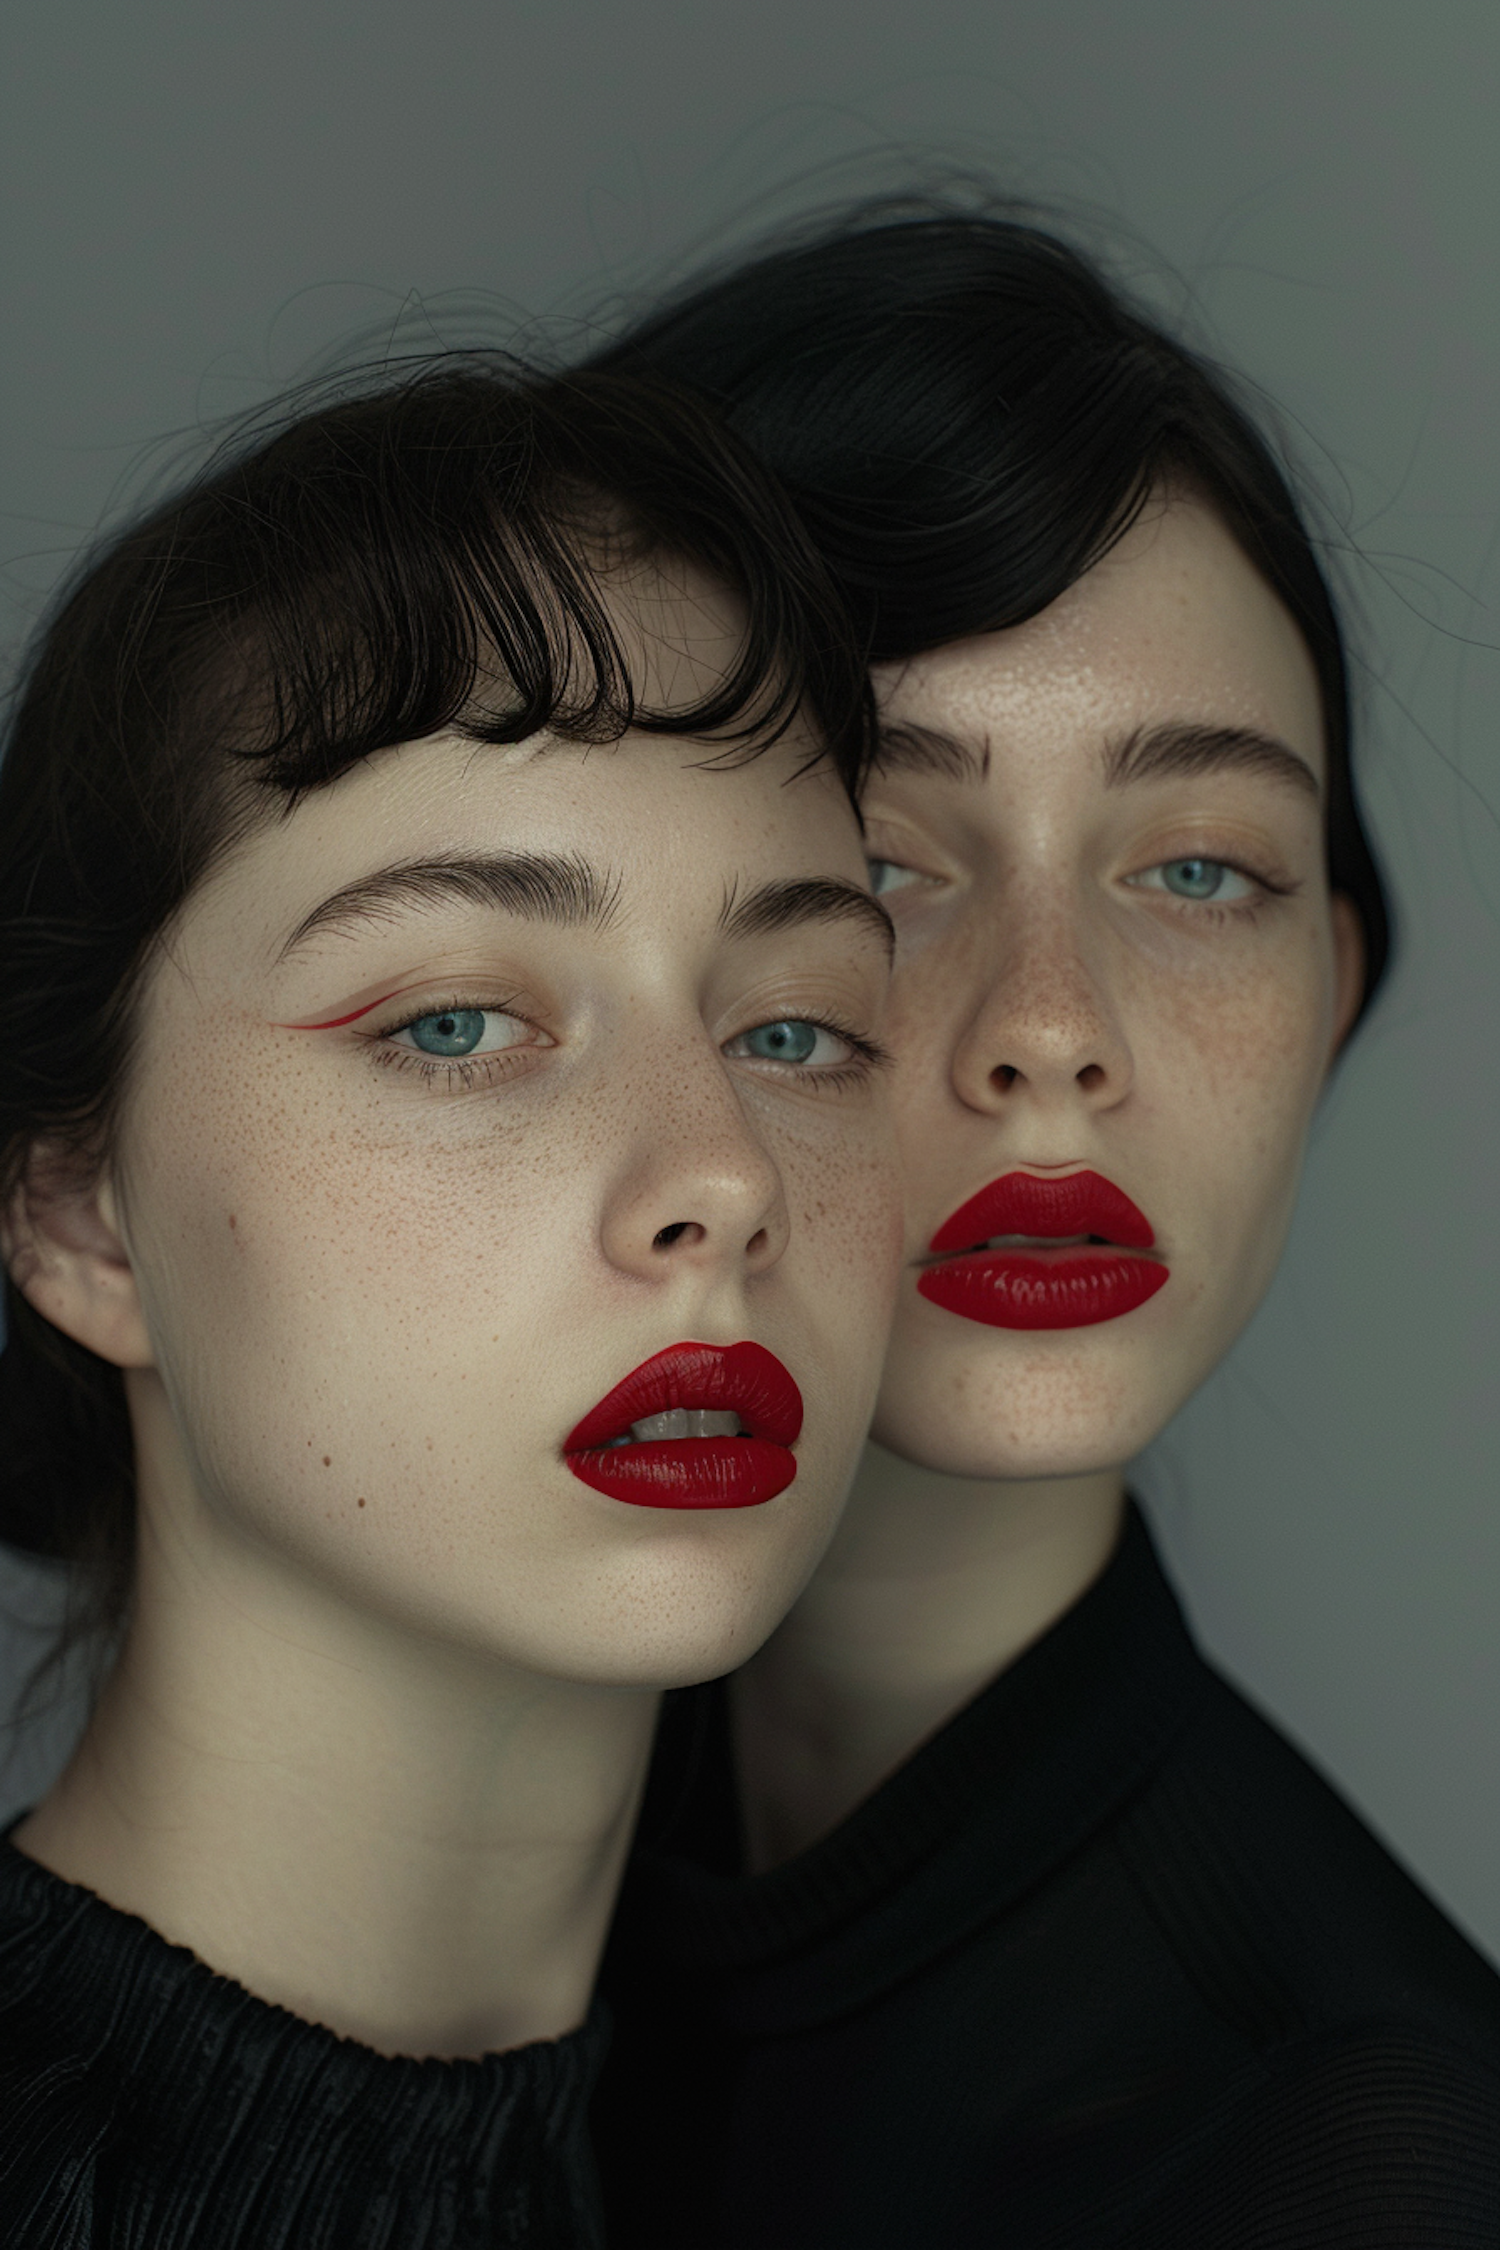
pixel 1348 969
pixel 62 1241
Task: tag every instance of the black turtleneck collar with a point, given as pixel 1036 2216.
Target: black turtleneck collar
pixel 149 2099
pixel 999 1797
pixel 1104 1961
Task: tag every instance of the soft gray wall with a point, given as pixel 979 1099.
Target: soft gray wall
pixel 199 197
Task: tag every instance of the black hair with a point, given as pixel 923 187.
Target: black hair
pixel 969 414
pixel 417 550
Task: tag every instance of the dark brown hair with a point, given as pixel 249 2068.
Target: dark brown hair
pixel 415 551
pixel 969 413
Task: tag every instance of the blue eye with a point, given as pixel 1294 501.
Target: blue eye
pixel 1194 878
pixel 457 1031
pixel 890 875
pixel 1198 879
pixel 782 1042
pixel 792 1041
pixel 453 1034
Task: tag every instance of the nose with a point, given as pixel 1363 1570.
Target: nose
pixel 1046 1029
pixel 696 1191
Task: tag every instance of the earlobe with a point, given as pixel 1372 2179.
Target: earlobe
pixel 62 1242
pixel 1348 969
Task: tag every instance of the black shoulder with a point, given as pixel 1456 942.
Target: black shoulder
pixel 1381 2140
pixel 1293 1920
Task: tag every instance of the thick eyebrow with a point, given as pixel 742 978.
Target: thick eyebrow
pixel 907 748
pixel 1146 754
pixel 1155 753
pixel 540 886
pixel 786 905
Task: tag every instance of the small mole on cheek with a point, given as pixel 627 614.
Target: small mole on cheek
pixel 360 1502
pixel 328 1460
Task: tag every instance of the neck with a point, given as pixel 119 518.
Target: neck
pixel 408 1842
pixel 933 1585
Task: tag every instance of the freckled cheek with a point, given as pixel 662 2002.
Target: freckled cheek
pixel 1239 1074
pixel 839 1282
pixel 929 1012
pixel 845 1202
pixel 419 1353
pixel 344 1257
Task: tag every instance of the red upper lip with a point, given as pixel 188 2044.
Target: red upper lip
pixel 744 1379
pixel 1020 1203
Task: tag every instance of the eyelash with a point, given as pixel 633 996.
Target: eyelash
pixel 869 1056
pixel 463 1073
pixel 1218 912
pixel 899 867
pixel 1201 909
pixel 458 1073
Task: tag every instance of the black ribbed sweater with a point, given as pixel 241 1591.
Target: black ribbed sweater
pixel 148 2104
pixel 1105 1963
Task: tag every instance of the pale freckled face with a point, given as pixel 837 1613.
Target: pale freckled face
pixel 381 1294
pixel 1059 1007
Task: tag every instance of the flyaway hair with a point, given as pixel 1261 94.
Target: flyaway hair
pixel 968 414
pixel 441 545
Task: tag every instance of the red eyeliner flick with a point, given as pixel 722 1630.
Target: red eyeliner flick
pixel 334 1022
pixel 706 1472
pixel 1029 1285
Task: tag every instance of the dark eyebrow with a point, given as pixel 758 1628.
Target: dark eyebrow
pixel 783 906
pixel 1146 754
pixel 1154 753
pixel 907 748
pixel 541 886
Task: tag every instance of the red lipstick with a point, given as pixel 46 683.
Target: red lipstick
pixel 609 1451
pixel 1079 1261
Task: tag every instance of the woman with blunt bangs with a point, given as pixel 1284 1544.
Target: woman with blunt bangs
pixel 978 1908
pixel 451 1225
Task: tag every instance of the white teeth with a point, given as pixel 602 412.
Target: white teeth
pixel 686 1422
pixel 1038 1241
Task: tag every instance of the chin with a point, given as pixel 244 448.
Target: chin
pixel 702 1650
pixel 1020 1412
pixel 682 1614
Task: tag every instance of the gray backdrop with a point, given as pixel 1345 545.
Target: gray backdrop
pixel 200 198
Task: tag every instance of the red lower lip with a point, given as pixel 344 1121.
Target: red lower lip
pixel 1042 1289
pixel 715 1472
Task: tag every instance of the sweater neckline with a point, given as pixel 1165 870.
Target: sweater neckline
pixel 997 1798
pixel 114 1984
pixel 157 2098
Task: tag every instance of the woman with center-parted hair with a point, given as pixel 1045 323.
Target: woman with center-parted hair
pixel 978 1909
pixel 451 1223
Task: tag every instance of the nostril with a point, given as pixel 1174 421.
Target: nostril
pixel 1091 1075
pixel 758 1244
pixel 1005 1076
pixel 668 1236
